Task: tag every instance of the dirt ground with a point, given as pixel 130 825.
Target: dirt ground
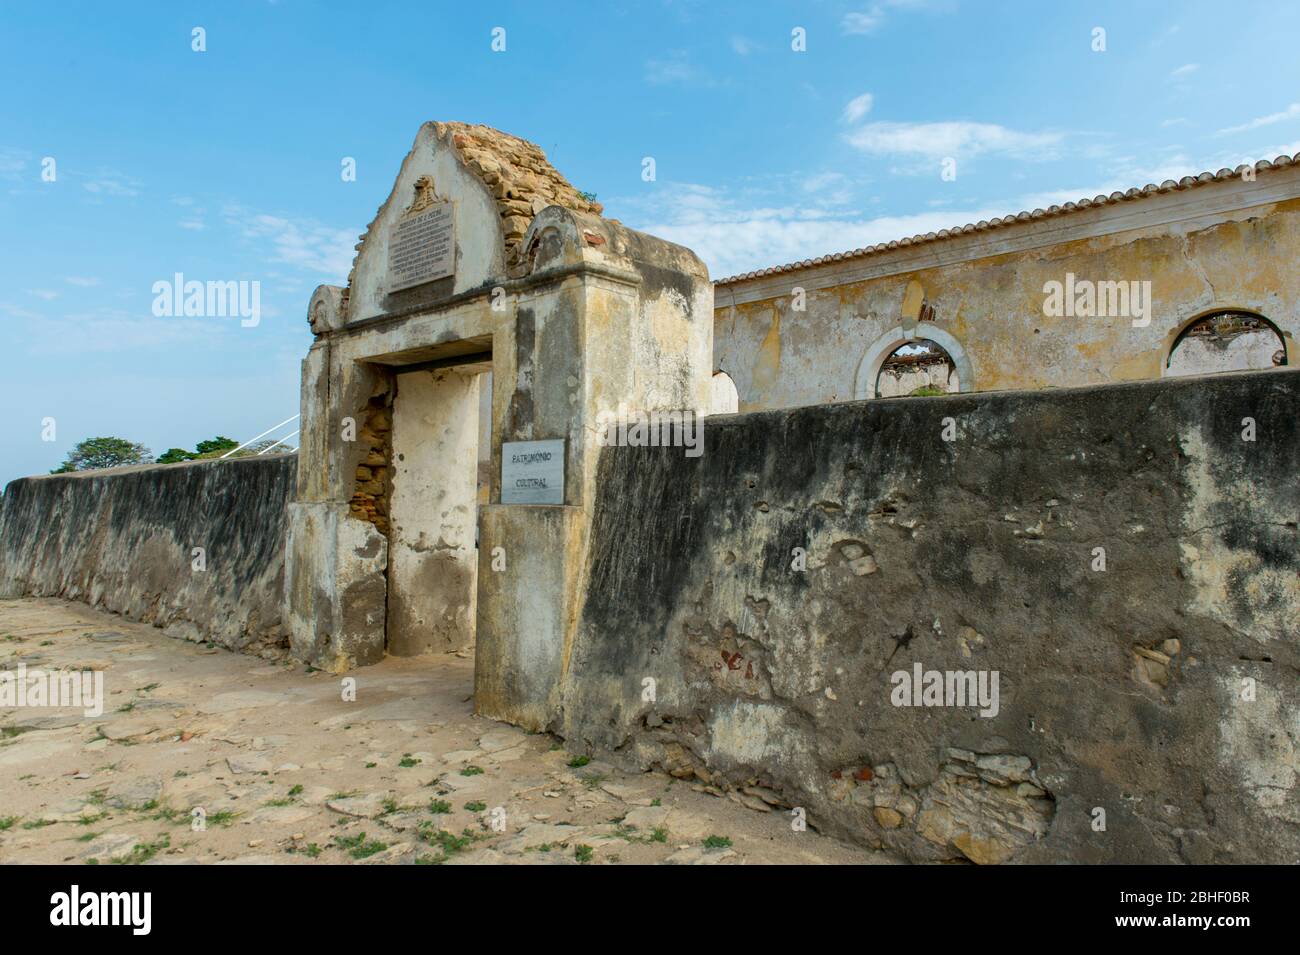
pixel 202 755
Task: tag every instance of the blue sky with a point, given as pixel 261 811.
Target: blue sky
pixel 225 164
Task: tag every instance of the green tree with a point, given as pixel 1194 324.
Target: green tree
pixel 94 453
pixel 220 444
pixel 173 455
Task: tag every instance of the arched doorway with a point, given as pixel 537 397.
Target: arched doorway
pixel 929 361
pixel 723 397
pixel 1228 340
pixel 918 368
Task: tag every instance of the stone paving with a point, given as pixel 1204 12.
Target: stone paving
pixel 279 769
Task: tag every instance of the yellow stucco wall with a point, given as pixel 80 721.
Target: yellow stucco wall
pixel 994 309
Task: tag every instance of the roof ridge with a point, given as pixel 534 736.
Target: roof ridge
pixel 1169 185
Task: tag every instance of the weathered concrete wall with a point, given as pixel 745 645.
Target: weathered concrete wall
pixel 1219 245
pixel 124 540
pixel 1126 690
pixel 632 330
pixel 520 655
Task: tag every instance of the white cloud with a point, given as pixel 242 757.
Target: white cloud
pixel 735 232
pixel 858 107
pixel 122 332
pixel 676 69
pixel 43 293
pixel 1187 69
pixel 1291 112
pixel 738 244
pixel 743 45
pixel 1129 174
pixel 1176 165
pixel 1285 149
pixel 870 19
pixel 859 23
pixel 107 182
pixel 304 243
pixel 81 281
pixel 195 215
pixel 822 180
pixel 20 313
pixel 12 163
pixel 111 330
pixel 957 139
pixel 732 237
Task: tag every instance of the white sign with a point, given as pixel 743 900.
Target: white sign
pixel 532 472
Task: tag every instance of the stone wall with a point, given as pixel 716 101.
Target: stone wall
pixel 746 612
pixel 124 540
pixel 370 499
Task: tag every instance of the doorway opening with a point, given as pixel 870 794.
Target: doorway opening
pixel 1226 341
pixel 918 368
pixel 440 475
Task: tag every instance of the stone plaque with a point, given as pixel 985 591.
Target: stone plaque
pixel 422 247
pixel 532 472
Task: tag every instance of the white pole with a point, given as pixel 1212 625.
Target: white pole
pixel 262 435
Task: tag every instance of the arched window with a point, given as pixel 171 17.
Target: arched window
pixel 922 359
pixel 919 367
pixel 723 397
pixel 1226 341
